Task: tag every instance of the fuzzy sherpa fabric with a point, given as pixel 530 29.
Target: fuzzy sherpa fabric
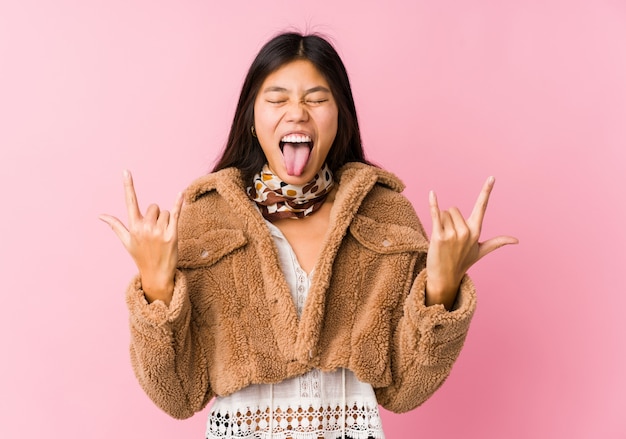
pixel 232 321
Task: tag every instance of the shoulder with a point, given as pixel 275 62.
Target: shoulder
pixel 228 179
pixel 213 201
pixel 355 171
pixel 384 201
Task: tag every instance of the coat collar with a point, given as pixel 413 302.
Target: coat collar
pixel 229 178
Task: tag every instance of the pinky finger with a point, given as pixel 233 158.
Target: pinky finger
pixel 175 212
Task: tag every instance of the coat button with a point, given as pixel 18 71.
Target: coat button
pixel 204 254
pixel 386 243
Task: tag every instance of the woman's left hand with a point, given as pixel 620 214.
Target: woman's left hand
pixel 455 247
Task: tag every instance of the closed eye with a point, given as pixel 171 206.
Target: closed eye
pixel 316 102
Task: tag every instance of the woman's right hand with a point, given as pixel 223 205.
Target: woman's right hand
pixel 151 240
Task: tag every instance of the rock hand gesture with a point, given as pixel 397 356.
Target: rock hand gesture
pixel 152 241
pixel 455 247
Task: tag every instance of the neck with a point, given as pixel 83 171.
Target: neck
pixel 278 200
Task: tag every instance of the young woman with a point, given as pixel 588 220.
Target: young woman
pixel 297 289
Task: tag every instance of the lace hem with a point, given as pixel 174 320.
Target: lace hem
pixel 297 423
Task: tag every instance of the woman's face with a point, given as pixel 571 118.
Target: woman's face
pixel 295 119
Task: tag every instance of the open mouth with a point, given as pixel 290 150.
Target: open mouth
pixel 298 139
pixel 296 150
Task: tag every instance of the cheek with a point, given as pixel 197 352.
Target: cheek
pixel 256 119
pixel 265 136
pixel 330 124
pixel 264 121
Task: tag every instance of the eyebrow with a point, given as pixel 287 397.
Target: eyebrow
pixel 306 92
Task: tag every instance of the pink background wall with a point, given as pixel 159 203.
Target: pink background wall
pixel 533 92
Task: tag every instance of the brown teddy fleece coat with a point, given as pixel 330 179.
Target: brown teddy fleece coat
pixel 232 321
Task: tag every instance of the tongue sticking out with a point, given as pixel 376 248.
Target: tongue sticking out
pixel 296 156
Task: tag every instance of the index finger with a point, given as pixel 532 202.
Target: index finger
pixel 131 197
pixel 434 211
pixel 478 213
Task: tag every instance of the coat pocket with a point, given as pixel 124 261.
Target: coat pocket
pixel 209 247
pixel 386 238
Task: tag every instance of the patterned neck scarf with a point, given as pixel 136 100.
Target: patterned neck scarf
pixel 278 200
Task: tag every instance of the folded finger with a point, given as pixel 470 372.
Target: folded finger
pixel 164 219
pixel 458 221
pixel 152 214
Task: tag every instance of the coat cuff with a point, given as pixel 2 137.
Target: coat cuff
pixel 157 314
pixel 441 333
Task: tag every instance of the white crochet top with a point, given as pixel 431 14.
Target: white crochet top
pixel 329 405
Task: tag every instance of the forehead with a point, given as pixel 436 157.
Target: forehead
pixel 298 74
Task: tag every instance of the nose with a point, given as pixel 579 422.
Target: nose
pixel 296 112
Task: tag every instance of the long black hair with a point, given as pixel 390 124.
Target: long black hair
pixel 243 151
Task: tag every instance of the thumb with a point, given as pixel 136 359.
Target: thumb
pixel 495 243
pixel 118 227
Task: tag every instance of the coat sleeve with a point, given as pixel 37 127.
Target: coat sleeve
pixel 425 345
pixel 167 361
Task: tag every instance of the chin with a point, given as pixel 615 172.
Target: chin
pixel 297 179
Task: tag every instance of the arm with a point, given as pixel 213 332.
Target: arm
pixel 164 353
pixel 428 338
pixel 426 343
pixel 455 247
